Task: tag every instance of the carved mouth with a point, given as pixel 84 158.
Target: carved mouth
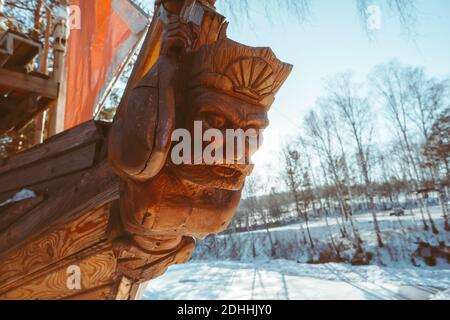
pixel 230 177
pixel 225 172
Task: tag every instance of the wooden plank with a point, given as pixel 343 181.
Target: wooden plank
pixel 13 110
pixel 48 188
pixel 12 212
pixel 60 165
pixel 95 270
pixel 18 49
pixel 21 121
pixel 97 187
pixel 68 261
pixel 17 114
pixel 24 51
pixel 80 135
pixel 124 288
pixel 100 293
pixel 26 83
pixel 61 242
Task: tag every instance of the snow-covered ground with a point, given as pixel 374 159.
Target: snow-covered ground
pixel 284 279
pixel 400 235
pixel 240 266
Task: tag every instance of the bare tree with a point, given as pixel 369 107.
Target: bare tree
pixel 315 195
pixel 292 176
pixel 429 98
pixel 355 113
pixel 399 94
pixel 295 175
pixel 254 187
pixel 403 10
pixel 274 205
pixel 437 152
pixel 319 130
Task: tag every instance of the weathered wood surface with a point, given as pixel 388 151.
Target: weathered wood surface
pixel 70 141
pixel 96 188
pixel 105 292
pixel 83 134
pixel 10 213
pixel 49 187
pixel 46 170
pixel 61 242
pixel 16 114
pixel 17 50
pixel 65 224
pixel 97 268
pixel 125 286
pixel 12 80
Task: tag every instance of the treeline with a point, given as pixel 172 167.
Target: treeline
pixel 363 148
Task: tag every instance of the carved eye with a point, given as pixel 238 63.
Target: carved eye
pixel 216 121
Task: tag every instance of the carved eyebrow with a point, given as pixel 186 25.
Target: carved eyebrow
pixel 258 119
pixel 220 106
pixel 221 109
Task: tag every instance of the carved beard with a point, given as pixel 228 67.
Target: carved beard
pixel 225 177
pixel 170 206
pixel 221 176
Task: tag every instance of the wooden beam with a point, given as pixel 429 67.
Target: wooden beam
pixel 26 83
pixel 96 188
pixel 78 136
pixel 11 212
pixel 105 292
pixel 51 168
pixel 17 50
pixel 17 115
pixel 48 188
pixel 89 229
pixel 97 268
pixel 69 152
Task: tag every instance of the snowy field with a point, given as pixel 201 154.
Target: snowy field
pixel 283 279
pixel 400 235
pixel 228 268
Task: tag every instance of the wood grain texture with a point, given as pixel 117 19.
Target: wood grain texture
pixel 60 165
pixel 23 49
pixel 96 188
pixel 65 240
pixel 27 83
pixel 78 136
pixel 124 288
pixel 105 292
pixel 96 270
pixel 12 212
pixel 15 111
pixel 48 188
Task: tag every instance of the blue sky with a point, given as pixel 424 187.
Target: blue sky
pixel 332 41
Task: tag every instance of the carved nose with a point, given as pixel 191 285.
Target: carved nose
pixel 241 149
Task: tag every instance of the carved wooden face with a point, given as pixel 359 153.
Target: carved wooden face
pixel 198 199
pixel 222 112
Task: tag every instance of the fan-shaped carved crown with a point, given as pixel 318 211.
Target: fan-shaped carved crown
pixel 253 74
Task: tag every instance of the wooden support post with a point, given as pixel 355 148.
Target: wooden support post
pixel 3 26
pixel 61 35
pixel 37 19
pixel 43 68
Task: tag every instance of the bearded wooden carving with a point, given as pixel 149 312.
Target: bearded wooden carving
pixel 201 75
